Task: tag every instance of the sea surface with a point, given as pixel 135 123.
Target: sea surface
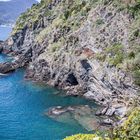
pixel 4 32
pixel 22 107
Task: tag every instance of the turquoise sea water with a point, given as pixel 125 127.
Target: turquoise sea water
pixel 22 106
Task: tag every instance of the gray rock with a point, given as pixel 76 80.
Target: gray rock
pixel 101 111
pixel 121 111
pixel 110 111
pixel 107 122
pixel 82 114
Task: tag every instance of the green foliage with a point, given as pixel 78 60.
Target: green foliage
pixel 136 62
pixel 114 55
pixel 136 33
pixel 116 48
pixel 101 56
pixel 133 63
pixel 130 130
pixel 28 18
pixel 99 22
pixel 42 34
pixel 134 9
pixel 85 137
pixel 131 55
pixel 67 14
pixel 136 75
pixel 55 46
pixel 117 59
pixel 70 13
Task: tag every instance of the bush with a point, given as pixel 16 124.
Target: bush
pixel 117 59
pixel 133 65
pixel 130 130
pixel 116 54
pixel 134 9
pixel 136 75
pixel 99 22
pixel 85 137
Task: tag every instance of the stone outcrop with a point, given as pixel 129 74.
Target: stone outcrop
pixel 83 114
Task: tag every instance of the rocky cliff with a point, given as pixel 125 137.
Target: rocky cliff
pixel 89 48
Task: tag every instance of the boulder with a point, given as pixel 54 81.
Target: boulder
pixel 107 122
pixel 121 111
pixel 82 114
pixel 101 111
pixel 7 67
pixel 110 111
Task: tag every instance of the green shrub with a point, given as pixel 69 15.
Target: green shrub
pixel 85 137
pixel 136 33
pixel 136 75
pixel 116 60
pixel 116 54
pixel 99 22
pixel 40 37
pixel 133 65
pixel 131 55
pixel 130 130
pixel 101 56
pixel 55 46
pixel 134 9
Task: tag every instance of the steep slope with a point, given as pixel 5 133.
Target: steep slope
pixel 89 48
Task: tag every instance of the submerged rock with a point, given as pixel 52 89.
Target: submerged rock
pixel 82 114
pixel 107 122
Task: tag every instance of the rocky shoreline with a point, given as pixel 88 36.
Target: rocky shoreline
pixel 105 115
pixel 67 58
pixel 88 117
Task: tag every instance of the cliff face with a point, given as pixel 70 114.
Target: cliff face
pixel 89 48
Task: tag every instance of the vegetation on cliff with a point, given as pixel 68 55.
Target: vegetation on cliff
pixel 85 137
pixel 130 128
pixel 68 16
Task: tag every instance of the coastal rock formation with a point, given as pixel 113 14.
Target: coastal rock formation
pixel 83 114
pixel 1 46
pixel 87 48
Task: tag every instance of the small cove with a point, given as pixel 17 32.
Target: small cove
pixel 22 106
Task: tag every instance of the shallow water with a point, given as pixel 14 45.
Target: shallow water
pixel 22 106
